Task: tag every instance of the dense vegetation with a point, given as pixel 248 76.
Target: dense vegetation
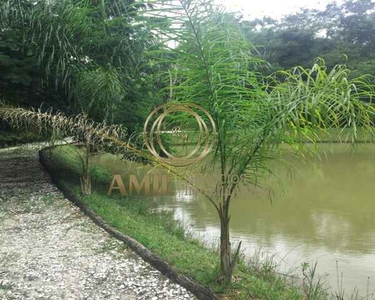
pixel 342 33
pixel 112 61
pixel 78 57
pixel 94 56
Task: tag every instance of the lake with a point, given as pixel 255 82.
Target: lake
pixel 322 211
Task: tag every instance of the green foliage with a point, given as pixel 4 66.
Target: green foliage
pixel 15 70
pixel 313 286
pixel 320 100
pixel 98 174
pixel 19 72
pixel 68 160
pixel 16 60
pixel 297 39
pixel 91 52
pixel 99 92
pixel 211 68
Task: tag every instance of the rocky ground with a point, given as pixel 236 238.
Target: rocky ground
pixel 50 250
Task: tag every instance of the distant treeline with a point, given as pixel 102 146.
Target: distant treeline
pixel 339 34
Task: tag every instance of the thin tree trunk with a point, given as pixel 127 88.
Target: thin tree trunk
pixel 102 10
pixel 227 261
pixel 226 269
pixel 85 177
pixel 85 184
pixel 103 14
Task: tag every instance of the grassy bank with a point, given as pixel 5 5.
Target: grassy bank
pixel 166 237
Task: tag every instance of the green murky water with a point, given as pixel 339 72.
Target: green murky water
pixel 325 212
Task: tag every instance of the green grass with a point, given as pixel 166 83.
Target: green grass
pixel 167 238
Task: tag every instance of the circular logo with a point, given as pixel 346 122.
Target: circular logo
pixel 164 116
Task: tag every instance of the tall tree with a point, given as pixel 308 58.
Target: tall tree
pixel 215 66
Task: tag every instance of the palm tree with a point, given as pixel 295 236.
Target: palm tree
pixel 91 52
pixel 215 66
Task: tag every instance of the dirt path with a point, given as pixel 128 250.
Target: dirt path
pixel 50 250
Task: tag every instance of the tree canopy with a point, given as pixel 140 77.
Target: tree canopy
pixel 340 34
pixel 79 56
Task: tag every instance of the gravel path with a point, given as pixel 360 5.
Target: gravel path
pixel 50 250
